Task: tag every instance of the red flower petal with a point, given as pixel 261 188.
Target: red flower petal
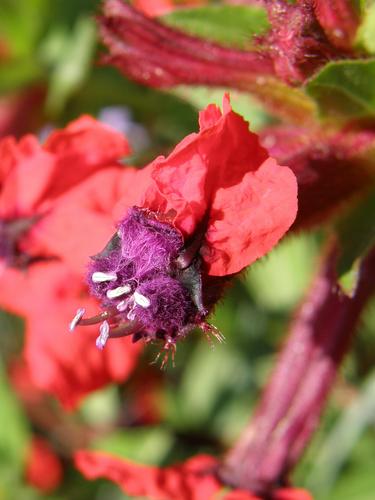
pixel 43 469
pixel 26 169
pixel 255 215
pixel 192 480
pixel 210 177
pixel 31 174
pixel 154 8
pixel 83 220
pixel 223 175
pixel 84 146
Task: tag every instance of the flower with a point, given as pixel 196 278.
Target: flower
pixel 195 479
pixel 33 177
pixel 43 468
pixel 216 204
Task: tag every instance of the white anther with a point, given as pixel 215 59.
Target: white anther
pixel 121 306
pixel 80 312
pixel 117 292
pixel 131 315
pixel 104 335
pixel 141 300
pixel 99 277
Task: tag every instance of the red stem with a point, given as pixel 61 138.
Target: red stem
pixel 296 394
pixel 339 19
pixel 159 56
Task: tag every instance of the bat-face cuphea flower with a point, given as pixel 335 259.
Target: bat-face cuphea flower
pixel 216 204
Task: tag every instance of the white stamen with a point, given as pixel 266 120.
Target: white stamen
pixel 99 277
pixel 121 306
pixel 141 300
pixel 131 315
pixel 104 335
pixel 80 312
pixel 117 292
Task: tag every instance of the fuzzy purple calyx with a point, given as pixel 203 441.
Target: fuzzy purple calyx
pixel 138 279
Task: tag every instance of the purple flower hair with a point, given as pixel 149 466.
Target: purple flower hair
pixel 148 283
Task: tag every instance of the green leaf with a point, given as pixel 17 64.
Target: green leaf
pixel 279 280
pixel 101 407
pixel 148 445
pixel 269 97
pixel 73 64
pixel 222 374
pixel 339 443
pixel 232 25
pixel 356 233
pixel 14 435
pixel 345 90
pixel 21 23
pixel 18 73
pixel 67 13
pixel 348 281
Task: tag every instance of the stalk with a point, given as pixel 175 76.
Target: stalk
pixel 295 396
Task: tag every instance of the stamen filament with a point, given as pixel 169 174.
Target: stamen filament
pixel 95 319
pixel 125 329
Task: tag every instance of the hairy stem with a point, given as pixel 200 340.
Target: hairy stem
pixel 292 402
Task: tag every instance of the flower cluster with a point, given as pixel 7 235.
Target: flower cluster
pixel 186 224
